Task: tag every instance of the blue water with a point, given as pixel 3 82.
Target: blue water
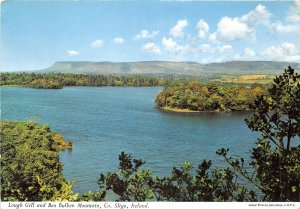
pixel 103 121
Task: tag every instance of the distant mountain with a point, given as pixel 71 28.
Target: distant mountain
pixel 151 67
pixel 250 67
pixel 170 68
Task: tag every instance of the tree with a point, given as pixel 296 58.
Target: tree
pixel 274 165
pixel 276 159
pixel 30 167
pixel 132 183
pixel 212 97
pixel 129 184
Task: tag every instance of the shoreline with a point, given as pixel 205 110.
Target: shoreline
pixel 171 109
pixel 178 110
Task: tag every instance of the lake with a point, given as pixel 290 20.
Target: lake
pixel 103 121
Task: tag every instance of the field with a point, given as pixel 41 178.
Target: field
pixel 259 78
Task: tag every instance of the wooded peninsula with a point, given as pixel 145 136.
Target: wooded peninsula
pixel 193 96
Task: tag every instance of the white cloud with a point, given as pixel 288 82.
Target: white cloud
pixel 203 28
pixel 294 12
pixel 207 48
pixel 297 4
pixel 285 52
pixel 177 30
pixel 283 28
pixel 294 18
pixel 293 58
pixel 169 44
pixel 145 34
pixel 97 43
pixel 174 48
pixel 151 48
pixel 118 40
pixel 201 34
pixel 248 52
pixel 259 15
pixel 289 48
pixel 213 37
pixel 72 53
pixel 224 48
pixel 272 52
pixel 232 29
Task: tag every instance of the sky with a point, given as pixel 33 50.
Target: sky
pixel 36 34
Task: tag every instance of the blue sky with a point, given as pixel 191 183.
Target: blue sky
pixel 35 34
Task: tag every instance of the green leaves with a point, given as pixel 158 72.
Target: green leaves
pixel 29 157
pixel 276 158
pixel 132 183
pixel 58 80
pixel 212 97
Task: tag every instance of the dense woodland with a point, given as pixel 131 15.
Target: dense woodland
pixel 57 80
pixel 212 97
pixel 30 167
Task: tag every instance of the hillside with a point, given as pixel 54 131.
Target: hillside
pixel 251 67
pixel 172 68
pixel 155 67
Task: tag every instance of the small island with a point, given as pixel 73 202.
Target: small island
pixel 194 97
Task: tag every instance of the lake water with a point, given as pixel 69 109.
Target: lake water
pixel 103 121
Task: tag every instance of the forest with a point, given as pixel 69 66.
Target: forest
pixel 31 171
pixel 30 167
pixel 194 96
pixel 58 80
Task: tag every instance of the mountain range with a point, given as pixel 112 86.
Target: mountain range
pixel 169 68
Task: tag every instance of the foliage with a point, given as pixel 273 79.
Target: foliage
pixel 30 167
pixel 57 80
pixel 207 185
pixel 60 143
pixel 212 97
pixel 276 158
pixel 93 196
pixel 278 119
pixel 131 183
pixel 45 84
pixel 64 194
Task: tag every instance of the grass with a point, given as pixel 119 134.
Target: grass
pixel 247 79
